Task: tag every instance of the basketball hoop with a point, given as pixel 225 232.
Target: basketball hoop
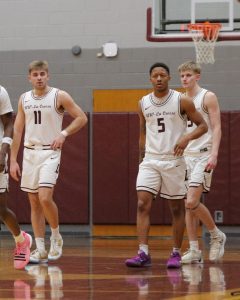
pixel 204 36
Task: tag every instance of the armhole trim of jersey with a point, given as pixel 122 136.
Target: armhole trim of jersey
pixel 202 104
pixel 179 108
pixel 141 103
pixel 22 100
pixel 55 103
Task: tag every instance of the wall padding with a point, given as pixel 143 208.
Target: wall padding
pixel 110 168
pixel 219 196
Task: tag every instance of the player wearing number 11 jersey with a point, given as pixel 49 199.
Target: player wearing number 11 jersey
pixel 41 114
pixel 41 111
pixel 162 169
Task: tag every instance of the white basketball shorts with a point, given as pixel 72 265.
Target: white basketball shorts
pixel 165 176
pixel 197 174
pixel 40 169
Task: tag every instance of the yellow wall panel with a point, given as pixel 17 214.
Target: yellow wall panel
pixel 118 100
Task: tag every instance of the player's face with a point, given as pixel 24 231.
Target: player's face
pixel 189 79
pixel 38 78
pixel 159 79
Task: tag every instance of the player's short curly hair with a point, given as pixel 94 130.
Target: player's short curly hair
pixel 159 65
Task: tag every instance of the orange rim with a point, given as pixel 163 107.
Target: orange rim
pixel 209 30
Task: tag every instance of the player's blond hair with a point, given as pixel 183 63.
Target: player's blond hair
pixel 38 64
pixel 190 65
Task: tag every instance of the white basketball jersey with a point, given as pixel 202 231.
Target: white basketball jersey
pixel 5 107
pixel 43 122
pixel 204 143
pixel 164 123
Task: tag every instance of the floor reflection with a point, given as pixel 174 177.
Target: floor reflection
pixel 22 290
pixel 174 277
pixel 193 275
pixel 141 281
pixel 97 272
pixel 43 276
pixel 217 279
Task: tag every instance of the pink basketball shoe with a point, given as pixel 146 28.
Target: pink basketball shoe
pixel 22 252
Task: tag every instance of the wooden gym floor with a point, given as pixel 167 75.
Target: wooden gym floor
pixel 93 269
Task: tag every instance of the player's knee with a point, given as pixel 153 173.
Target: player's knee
pixel 36 206
pixel 143 205
pixel 44 201
pixel 192 205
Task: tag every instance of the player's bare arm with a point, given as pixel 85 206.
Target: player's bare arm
pixel 142 134
pixel 66 103
pixel 17 136
pixel 212 106
pixel 7 121
pixel 188 108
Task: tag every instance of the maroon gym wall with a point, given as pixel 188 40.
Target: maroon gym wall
pixel 110 168
pixel 220 194
pixel 115 166
pixel 234 199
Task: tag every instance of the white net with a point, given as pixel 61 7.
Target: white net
pixel 204 37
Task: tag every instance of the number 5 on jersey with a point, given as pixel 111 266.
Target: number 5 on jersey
pixel 161 124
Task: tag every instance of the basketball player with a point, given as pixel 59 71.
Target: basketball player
pixel 41 111
pixel 163 121
pixel 201 157
pixel 22 239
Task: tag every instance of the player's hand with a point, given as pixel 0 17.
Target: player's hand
pixel 58 142
pixel 15 171
pixel 180 146
pixel 211 164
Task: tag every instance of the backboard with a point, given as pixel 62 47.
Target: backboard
pixel 167 20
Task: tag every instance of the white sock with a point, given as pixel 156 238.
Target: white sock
pixel 19 238
pixel 40 243
pixel 176 250
pixel 144 248
pixel 194 245
pixel 215 232
pixel 55 232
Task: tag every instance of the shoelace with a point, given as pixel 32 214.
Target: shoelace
pixel 175 254
pixel 17 250
pixel 20 248
pixel 188 251
pixel 140 255
pixel 34 252
pixel 55 243
pixel 216 240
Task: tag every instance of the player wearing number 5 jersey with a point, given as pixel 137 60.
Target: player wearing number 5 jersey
pixel 163 119
pixel 41 111
pixel 165 124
